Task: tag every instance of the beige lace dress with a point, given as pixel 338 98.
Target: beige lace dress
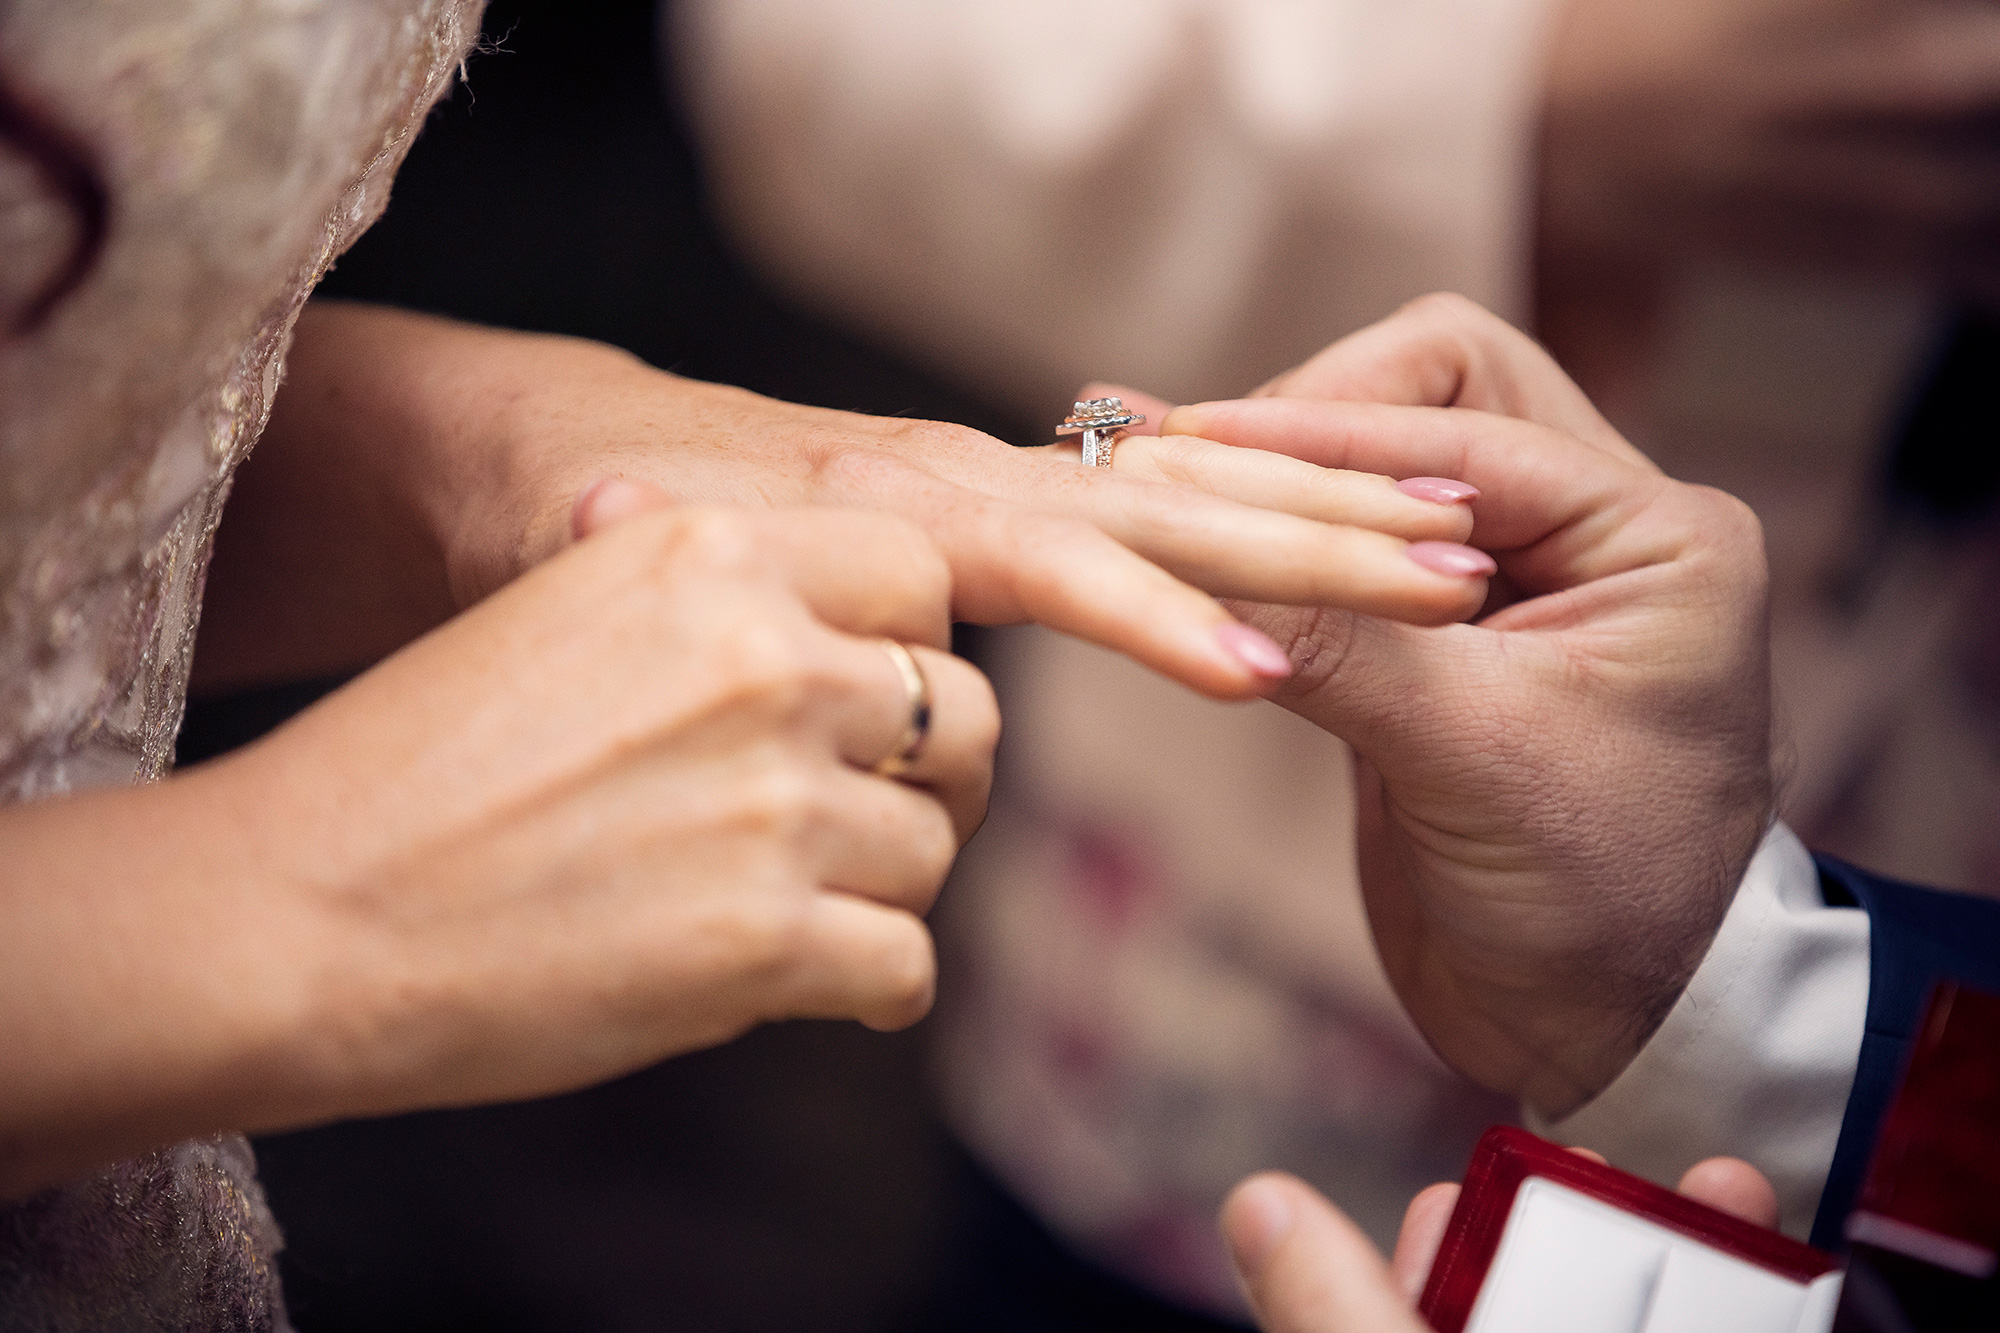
pixel 175 176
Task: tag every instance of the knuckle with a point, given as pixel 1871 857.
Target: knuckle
pixel 776 940
pixel 1732 521
pixel 982 721
pixel 935 847
pixel 1320 640
pixel 906 978
pixel 768 668
pixel 703 541
pixel 782 801
pixel 948 435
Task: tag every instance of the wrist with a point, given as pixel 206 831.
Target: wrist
pixel 1640 970
pixel 149 987
pixel 520 430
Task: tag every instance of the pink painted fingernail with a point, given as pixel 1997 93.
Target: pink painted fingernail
pixel 1438 490
pixel 1254 650
pixel 1451 559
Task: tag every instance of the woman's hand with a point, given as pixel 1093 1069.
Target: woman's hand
pixel 1559 800
pixel 427 463
pixel 1307 1269
pixel 622 808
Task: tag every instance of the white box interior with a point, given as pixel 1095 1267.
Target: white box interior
pixel 1568 1263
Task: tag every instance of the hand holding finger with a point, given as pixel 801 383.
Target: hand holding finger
pixel 1417 509
pixel 1446 351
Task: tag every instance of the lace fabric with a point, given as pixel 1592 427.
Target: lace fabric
pixel 238 147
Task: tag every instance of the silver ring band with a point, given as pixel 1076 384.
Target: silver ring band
pixel 909 746
pixel 1100 421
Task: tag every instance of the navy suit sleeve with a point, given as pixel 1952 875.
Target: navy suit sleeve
pixel 1916 937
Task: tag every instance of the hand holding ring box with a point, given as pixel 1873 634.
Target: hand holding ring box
pixel 1546 1241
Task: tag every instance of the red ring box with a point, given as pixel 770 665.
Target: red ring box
pixel 1546 1241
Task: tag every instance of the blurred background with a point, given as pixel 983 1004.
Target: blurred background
pixel 1763 233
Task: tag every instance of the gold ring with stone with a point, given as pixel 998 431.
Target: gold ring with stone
pixel 909 746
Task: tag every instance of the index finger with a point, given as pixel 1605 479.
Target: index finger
pixel 1533 481
pixel 863 571
pixel 1446 351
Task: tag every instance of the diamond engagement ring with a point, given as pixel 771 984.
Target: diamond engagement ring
pixel 1101 421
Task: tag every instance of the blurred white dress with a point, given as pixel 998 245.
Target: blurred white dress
pixel 175 176
pixel 1158 975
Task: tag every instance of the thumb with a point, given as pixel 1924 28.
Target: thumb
pixel 1305 1267
pixel 1381 686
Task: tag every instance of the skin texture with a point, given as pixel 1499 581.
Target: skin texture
pixel 414 465
pixel 1307 1269
pixel 619 810
pixel 1557 801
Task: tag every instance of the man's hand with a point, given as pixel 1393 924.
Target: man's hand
pixel 1559 800
pixel 1307 1269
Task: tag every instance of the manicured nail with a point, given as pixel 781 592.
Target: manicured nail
pixel 1261 1215
pixel 1451 559
pixel 1254 650
pixel 1438 490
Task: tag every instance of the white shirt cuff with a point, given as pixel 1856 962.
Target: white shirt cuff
pixel 1757 1057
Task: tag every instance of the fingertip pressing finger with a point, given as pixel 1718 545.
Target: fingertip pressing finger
pixel 609 500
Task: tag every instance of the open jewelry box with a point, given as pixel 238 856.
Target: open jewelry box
pixel 1546 1241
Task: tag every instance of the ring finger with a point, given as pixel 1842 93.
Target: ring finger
pixel 948 750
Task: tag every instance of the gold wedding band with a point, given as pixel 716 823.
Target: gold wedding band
pixel 917 729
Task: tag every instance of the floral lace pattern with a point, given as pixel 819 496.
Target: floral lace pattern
pixel 239 147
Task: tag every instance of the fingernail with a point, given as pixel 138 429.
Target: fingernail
pixel 1451 559
pixel 582 518
pixel 604 502
pixel 1255 650
pixel 1438 490
pixel 1260 1217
